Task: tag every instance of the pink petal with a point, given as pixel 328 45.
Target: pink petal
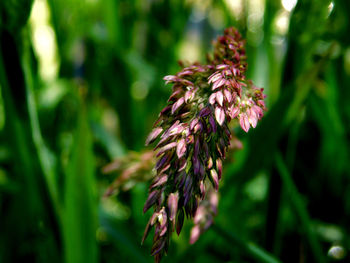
pixel 210 163
pixel 219 115
pixel 202 189
pixel 170 78
pixel 193 123
pixel 212 98
pixel 213 78
pixel 228 95
pixel 172 205
pixel 177 104
pixel 252 117
pixel 219 98
pixel 244 122
pixel 214 201
pixel 214 176
pixel 195 233
pixel 182 165
pixel 160 180
pixel 219 167
pixel 166 148
pixel 234 112
pixel 181 148
pixel 176 129
pixel 261 103
pixel 218 84
pixel 184 73
pixel 258 110
pixel 153 135
pixel 221 66
pixel 188 95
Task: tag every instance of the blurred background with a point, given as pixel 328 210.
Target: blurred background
pixel 81 85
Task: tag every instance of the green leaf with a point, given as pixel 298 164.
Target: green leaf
pixel 80 218
pixel 15 13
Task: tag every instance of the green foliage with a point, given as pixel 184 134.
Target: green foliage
pixel 81 84
pixel 14 14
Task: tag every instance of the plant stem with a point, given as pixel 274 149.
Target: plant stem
pixel 251 249
pixel 300 209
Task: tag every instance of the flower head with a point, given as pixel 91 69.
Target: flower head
pixel 194 135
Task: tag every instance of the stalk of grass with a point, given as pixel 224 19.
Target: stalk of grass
pixel 300 209
pixel 80 214
pixel 46 158
pixel 250 248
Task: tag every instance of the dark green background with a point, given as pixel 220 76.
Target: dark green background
pixel 287 191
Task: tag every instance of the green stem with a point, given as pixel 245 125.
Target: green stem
pixel 251 249
pixel 46 158
pixel 300 209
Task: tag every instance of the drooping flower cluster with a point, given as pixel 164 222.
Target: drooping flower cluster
pixel 194 135
pixel 133 168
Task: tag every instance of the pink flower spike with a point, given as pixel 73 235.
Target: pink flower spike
pixel 244 122
pixel 181 148
pixel 219 115
pixel 177 105
pixel 219 98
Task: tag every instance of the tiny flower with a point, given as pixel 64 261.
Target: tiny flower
pixel 153 135
pixel 159 181
pixel 177 105
pixel 244 122
pixel 172 204
pixel 219 98
pixel 215 178
pixel 212 98
pixel 181 148
pixel 228 95
pixel 166 148
pixel 195 233
pixel 219 115
pixel 219 167
pixel 152 198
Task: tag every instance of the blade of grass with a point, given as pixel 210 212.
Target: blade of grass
pixel 250 248
pixel 121 237
pixel 80 218
pixel 45 156
pixel 300 209
pixel 30 203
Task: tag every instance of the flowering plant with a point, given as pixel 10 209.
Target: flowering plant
pixel 194 136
